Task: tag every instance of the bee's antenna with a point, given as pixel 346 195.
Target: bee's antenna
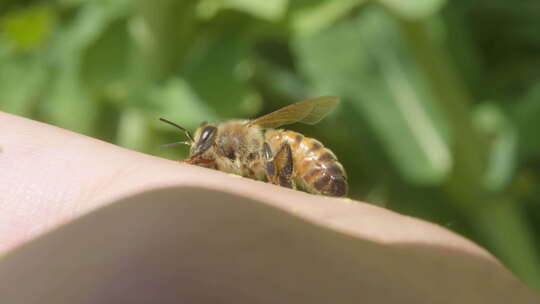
pixel 175 144
pixel 179 127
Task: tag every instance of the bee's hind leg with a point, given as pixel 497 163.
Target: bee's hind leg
pixel 269 166
pixel 279 167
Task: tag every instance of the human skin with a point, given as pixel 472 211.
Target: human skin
pixel 84 221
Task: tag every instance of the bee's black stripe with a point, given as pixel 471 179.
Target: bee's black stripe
pixel 326 156
pixel 312 174
pixel 315 147
pixel 322 182
pixel 338 187
pixel 334 170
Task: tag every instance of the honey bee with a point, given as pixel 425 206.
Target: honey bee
pixel 255 149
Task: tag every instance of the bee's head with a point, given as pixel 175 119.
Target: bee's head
pixel 204 139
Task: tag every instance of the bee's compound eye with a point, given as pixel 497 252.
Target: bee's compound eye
pixel 206 140
pixel 207 133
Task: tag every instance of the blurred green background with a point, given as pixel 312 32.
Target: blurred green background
pixel 440 109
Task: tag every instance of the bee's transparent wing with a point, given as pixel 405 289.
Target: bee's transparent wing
pixel 309 111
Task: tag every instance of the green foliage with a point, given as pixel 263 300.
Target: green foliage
pixel 270 10
pixel 28 28
pixel 413 9
pixel 440 99
pixel 385 86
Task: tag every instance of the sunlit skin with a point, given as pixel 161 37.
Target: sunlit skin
pixel 252 148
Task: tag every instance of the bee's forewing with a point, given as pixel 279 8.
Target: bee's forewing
pixel 309 111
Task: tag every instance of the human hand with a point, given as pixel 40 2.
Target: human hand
pixel 83 221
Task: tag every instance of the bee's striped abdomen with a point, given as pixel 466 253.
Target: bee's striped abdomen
pixel 316 168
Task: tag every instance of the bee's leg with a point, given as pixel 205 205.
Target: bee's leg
pixel 279 168
pixel 269 166
pixel 283 162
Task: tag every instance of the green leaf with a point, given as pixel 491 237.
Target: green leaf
pixel 219 70
pixel 502 161
pixel 91 20
pixel 502 154
pixel 28 28
pixel 269 10
pixel 414 9
pixel 22 79
pixel 177 102
pixel 526 117
pixel 133 130
pixel 68 104
pixel 364 60
pixel 309 19
pixel 279 80
pixel 104 63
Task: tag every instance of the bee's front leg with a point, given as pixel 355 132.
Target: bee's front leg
pixel 279 167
